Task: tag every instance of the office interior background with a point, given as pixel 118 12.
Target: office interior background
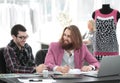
pixel 46 19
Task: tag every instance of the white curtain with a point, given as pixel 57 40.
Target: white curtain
pixel 45 19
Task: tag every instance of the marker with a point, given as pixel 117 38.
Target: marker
pixel 35 80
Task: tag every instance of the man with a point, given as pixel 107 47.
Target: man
pixel 70 52
pixel 18 54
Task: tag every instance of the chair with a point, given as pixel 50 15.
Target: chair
pixel 2 61
pixel 40 56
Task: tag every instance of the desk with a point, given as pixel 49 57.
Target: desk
pixel 84 79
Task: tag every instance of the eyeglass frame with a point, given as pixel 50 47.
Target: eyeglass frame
pixel 22 37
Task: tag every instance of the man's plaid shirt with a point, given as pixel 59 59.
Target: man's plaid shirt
pixel 19 61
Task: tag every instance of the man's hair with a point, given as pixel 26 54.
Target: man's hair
pixel 16 28
pixel 75 36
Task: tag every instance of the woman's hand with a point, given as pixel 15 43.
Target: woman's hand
pixel 87 42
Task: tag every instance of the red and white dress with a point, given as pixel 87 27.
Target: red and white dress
pixel 105 41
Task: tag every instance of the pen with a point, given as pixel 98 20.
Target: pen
pixel 35 80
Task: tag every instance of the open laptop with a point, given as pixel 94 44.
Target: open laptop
pixel 109 65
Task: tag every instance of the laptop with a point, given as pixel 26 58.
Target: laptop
pixel 109 66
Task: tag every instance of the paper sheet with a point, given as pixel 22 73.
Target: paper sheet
pixel 75 71
pixel 36 80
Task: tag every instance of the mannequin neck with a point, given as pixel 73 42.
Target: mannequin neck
pixel 106 9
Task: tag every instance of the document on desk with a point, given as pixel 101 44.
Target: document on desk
pixel 12 75
pixel 76 71
pixel 9 75
pixel 36 80
pixel 30 75
pixel 72 74
pixel 71 71
pixel 90 72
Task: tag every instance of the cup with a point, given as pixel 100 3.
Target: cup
pixel 45 73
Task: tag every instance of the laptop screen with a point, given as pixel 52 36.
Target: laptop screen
pixel 110 65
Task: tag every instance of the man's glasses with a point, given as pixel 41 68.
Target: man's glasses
pixel 22 37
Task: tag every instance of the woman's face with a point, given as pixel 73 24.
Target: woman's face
pixel 90 26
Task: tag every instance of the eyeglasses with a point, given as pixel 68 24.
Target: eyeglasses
pixel 22 37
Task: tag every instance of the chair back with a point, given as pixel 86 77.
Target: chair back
pixel 40 56
pixel 2 61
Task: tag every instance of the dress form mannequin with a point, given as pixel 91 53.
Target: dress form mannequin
pixel 106 9
pixel 105 40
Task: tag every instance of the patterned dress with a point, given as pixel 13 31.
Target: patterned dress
pixel 105 41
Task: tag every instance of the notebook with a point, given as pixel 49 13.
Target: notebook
pixel 109 65
pixel 66 76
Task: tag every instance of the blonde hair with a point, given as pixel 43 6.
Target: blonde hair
pixel 93 24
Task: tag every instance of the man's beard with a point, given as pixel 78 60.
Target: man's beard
pixel 67 46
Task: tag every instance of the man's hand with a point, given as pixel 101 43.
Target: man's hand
pixel 40 68
pixel 86 68
pixel 63 69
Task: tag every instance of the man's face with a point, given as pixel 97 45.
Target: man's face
pixel 20 39
pixel 67 43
